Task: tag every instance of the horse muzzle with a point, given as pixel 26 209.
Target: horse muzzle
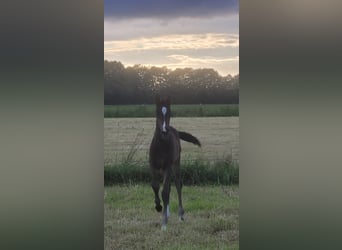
pixel 164 133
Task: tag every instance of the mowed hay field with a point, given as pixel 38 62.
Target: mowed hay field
pixel 211 218
pixel 219 137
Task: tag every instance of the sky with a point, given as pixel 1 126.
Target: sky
pixel 173 33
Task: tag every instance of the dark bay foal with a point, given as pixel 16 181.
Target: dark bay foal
pixel 164 158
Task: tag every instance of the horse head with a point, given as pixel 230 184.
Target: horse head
pixel 163 114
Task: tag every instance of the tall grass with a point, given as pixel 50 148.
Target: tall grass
pixel 193 172
pixel 205 110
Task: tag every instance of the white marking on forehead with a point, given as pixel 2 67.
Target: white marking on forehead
pixel 164 110
pixel 164 127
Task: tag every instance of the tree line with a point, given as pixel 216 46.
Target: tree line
pixel 138 84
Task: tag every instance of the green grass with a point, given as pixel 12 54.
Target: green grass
pixel 211 218
pixel 205 110
pixel 193 172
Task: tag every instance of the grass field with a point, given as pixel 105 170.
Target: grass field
pixel 205 110
pixel 219 137
pixel 211 218
pixel 211 211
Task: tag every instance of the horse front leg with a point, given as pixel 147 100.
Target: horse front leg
pixel 155 187
pixel 166 197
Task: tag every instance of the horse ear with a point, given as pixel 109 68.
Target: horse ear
pixel 168 100
pixel 157 99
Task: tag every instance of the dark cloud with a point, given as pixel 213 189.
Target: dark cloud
pixel 168 8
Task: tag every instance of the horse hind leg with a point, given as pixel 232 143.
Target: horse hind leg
pixel 179 186
pixel 180 205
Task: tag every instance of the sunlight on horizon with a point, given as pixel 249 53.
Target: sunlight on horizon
pixel 179 51
pixel 207 39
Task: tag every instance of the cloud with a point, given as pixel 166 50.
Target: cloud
pixel 173 33
pixel 218 63
pixel 188 60
pixel 174 42
pixel 148 27
pixel 224 66
pixel 168 8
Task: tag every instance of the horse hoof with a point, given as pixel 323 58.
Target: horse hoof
pixel 163 228
pixel 159 208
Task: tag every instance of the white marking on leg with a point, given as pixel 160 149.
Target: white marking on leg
pixel 181 214
pixel 167 211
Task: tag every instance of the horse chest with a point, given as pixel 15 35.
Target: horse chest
pixel 164 154
pixel 165 151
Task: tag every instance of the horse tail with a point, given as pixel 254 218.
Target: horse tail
pixel 189 138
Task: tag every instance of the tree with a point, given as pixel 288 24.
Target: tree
pixel 138 84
